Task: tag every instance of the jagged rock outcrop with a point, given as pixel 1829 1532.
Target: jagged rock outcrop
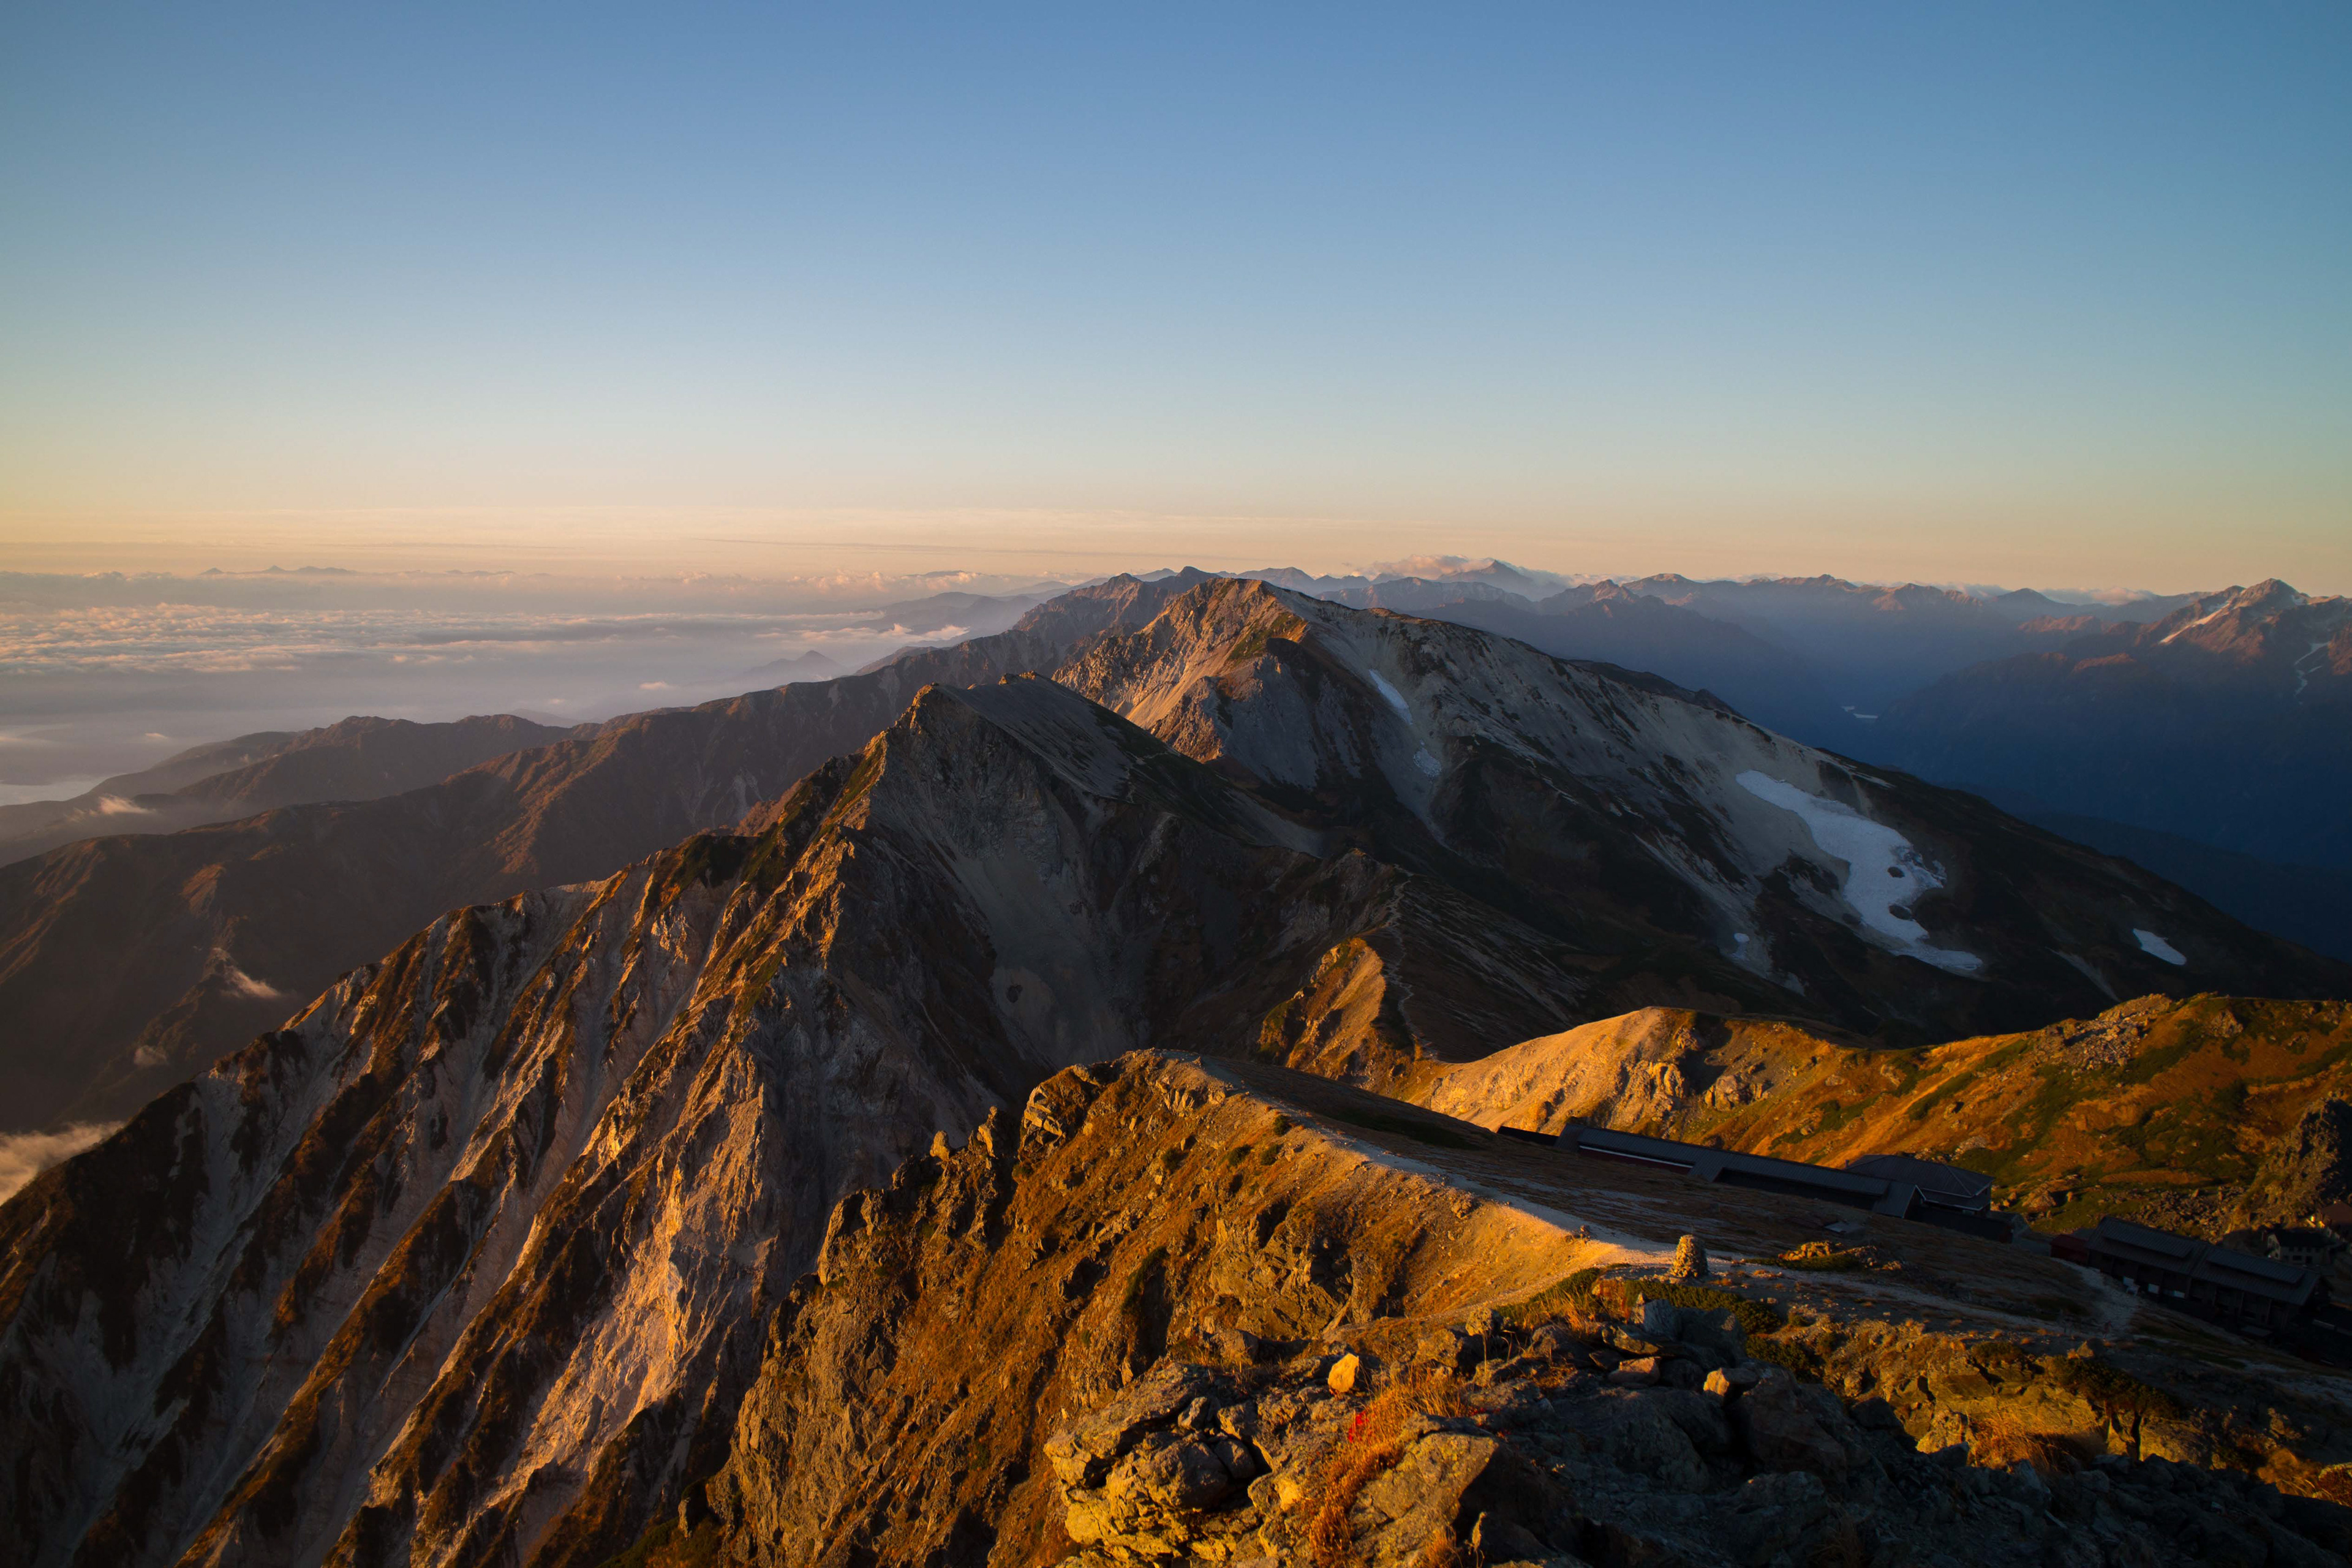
pixel 2308 1169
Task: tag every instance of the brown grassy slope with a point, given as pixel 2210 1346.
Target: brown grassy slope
pixel 2157 1106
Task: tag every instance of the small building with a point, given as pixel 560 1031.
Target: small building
pixel 1946 1185
pixel 2197 1276
pixel 2305 1246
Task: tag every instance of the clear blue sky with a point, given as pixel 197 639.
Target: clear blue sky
pixel 2054 293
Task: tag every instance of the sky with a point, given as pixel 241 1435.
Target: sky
pixel 2035 294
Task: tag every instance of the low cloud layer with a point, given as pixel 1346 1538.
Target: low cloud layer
pixel 23 1155
pixel 108 674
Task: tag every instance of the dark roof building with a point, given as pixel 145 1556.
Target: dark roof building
pixel 1938 1184
pixel 2200 1277
pixel 1898 1194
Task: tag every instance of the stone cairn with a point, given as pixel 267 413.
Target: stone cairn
pixel 1690 1261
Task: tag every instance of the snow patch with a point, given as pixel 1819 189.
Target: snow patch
pixel 1883 870
pixel 115 805
pixel 1425 763
pixel 2156 946
pixel 1396 699
pixel 2303 676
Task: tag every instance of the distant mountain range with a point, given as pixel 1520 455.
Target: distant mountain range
pixel 127 963
pixel 478 1256
pixel 2229 722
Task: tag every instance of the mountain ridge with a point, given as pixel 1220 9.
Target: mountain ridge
pixel 474 1260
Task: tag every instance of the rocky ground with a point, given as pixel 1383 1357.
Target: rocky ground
pixel 1191 1312
pixel 1650 1441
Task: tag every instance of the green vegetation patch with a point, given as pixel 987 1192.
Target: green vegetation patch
pixel 1795 1354
pixel 1154 1262
pixel 1822 1262
pixel 1571 1294
pixel 1584 1290
pixel 1755 1317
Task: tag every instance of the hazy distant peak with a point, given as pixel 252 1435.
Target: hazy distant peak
pixel 809 666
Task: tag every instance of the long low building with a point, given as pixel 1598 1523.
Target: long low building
pixel 2200 1277
pixel 1905 1188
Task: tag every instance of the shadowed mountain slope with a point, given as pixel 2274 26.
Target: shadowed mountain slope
pixel 2229 722
pixel 1640 825
pixel 126 964
pixel 1615 626
pixel 2306 904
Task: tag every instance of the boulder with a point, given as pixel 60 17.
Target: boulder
pixel 1170 1472
pixel 1450 1483
pixel 1717 1333
pixel 1082 1454
pixel 1451 1351
pixel 1784 1431
pixel 1702 1419
pixel 1782 1518
pixel 1635 1431
pixel 2177 1441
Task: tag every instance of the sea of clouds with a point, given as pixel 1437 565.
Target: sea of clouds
pixel 111 672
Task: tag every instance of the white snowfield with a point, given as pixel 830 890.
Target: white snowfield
pixel 1396 698
pixel 2157 947
pixel 1882 869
